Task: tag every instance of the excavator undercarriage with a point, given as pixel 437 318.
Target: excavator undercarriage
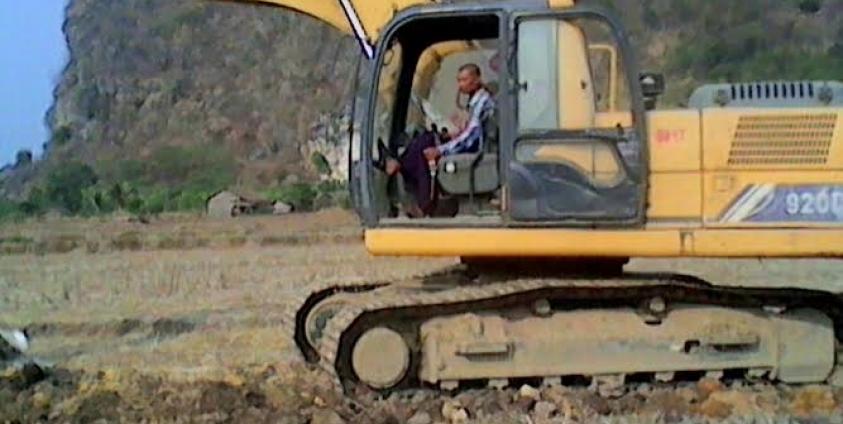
pixel 455 329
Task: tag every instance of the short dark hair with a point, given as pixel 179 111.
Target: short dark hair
pixel 473 68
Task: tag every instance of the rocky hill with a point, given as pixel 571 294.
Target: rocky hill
pixel 197 95
pixel 241 82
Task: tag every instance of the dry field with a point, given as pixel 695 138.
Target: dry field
pixel 178 321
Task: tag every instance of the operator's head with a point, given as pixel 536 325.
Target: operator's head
pixel 469 79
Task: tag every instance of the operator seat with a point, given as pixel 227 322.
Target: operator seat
pixel 455 172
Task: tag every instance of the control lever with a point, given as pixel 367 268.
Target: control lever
pixel 431 165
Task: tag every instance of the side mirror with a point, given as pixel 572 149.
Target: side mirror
pixel 652 86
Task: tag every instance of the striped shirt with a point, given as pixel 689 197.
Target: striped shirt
pixel 471 139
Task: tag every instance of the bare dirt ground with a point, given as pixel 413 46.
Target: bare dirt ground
pixel 179 322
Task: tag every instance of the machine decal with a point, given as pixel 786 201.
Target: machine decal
pixel 670 137
pixel 767 203
pixel 357 26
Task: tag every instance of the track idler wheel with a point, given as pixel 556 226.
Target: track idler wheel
pixel 381 358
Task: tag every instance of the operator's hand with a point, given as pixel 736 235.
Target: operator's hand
pixel 432 154
pixel 392 166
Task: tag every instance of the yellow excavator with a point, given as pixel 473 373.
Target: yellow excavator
pixel 578 173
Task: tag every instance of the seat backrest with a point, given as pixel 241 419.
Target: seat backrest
pixel 491 134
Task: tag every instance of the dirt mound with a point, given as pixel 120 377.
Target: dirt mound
pixel 297 394
pixel 64 396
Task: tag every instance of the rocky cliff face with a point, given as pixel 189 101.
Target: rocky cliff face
pixel 249 81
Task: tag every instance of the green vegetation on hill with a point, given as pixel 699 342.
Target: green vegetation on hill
pixel 176 179
pixel 696 42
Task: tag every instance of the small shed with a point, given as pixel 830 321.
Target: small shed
pixel 281 208
pixel 226 204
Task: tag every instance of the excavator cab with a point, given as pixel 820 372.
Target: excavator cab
pixel 564 146
pixel 567 144
pixel 416 95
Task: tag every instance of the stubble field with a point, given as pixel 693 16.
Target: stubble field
pixel 179 320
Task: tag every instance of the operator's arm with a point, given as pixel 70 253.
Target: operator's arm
pixel 473 133
pixel 463 142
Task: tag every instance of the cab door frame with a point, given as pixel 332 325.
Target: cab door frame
pixel 513 134
pixel 509 13
pixel 367 208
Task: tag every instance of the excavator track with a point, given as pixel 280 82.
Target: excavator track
pixel 305 303
pixel 411 308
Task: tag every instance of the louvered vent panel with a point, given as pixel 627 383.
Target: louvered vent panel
pixel 783 140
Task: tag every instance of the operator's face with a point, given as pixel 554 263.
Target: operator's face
pixel 468 82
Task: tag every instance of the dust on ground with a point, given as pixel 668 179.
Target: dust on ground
pixel 192 334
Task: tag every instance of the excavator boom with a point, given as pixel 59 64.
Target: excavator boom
pixel 364 19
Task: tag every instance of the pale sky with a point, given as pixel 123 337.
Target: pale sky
pixel 32 56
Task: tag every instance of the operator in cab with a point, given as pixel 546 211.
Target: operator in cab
pixel 423 153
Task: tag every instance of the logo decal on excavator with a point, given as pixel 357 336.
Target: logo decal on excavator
pixel 768 203
pixel 357 27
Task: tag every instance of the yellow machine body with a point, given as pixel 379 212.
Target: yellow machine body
pixel 722 182
pixel 700 172
pixel 718 178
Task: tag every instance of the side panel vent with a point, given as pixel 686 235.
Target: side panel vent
pixel 772 90
pixel 769 94
pixel 764 140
